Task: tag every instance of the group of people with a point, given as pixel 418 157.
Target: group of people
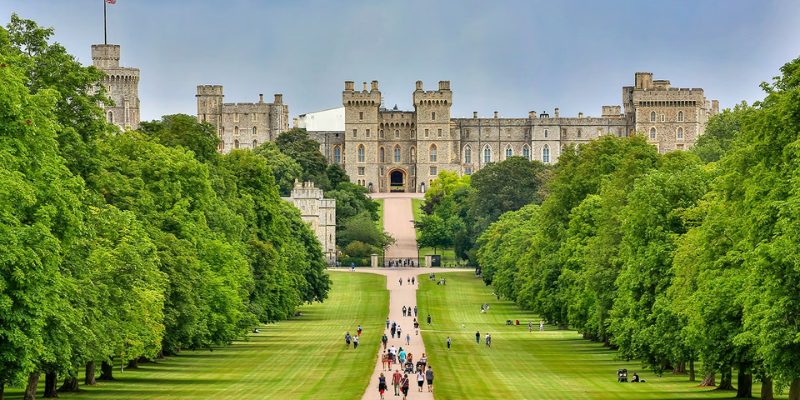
pixel 348 338
pixel 410 281
pixel 488 339
pixel 541 326
pixel 402 383
pixel 407 311
pixel 402 262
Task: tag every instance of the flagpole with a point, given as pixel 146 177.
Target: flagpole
pixel 105 25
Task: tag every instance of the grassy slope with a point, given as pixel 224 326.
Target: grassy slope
pixel 521 365
pixel 303 358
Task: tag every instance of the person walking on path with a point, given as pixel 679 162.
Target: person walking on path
pixel 385 360
pixel 355 342
pixel 381 385
pixel 387 322
pixel 429 319
pixel 429 378
pixel 415 311
pixel 404 311
pixel 396 379
pixel 408 339
pixel 385 340
pixel 420 379
pixel 404 386
pixel 394 329
pixel 488 340
pixel 478 337
pixel 399 332
pixel 402 356
pixel 401 281
pixel 347 338
pixel 448 343
pixel 413 279
pixel 409 311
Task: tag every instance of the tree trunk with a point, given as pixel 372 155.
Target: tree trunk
pixel 106 371
pixel 691 371
pixel 70 384
pixel 709 380
pixel 33 382
pixel 727 380
pixel 50 385
pixel 766 389
pixel 2 390
pixel 744 385
pixel 89 379
pixel 133 364
pixel 794 389
pixel 680 368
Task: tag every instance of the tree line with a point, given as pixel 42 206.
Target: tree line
pixel 677 258
pixel 121 247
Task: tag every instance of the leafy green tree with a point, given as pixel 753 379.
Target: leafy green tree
pixel 719 133
pixel 184 130
pixel 296 144
pixel 285 170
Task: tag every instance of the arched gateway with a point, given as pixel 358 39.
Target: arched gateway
pixel 397 180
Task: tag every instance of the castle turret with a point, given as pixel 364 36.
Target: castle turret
pixel 121 84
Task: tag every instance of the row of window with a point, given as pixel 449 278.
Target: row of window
pixel 236 144
pixel 433 153
pixel 397 133
pixel 678 133
pixel 361 115
pixel 236 130
pixel 254 117
pixel 664 117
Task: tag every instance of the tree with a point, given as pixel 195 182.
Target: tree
pixel 184 130
pixel 720 133
pixel 285 170
pixel 296 144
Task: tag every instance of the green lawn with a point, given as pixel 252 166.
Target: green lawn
pixel 304 358
pixel 380 214
pixel 521 365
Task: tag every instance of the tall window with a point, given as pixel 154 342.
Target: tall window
pixel 680 133
pixel 413 154
pixel 255 131
pixel 680 116
pixel 526 152
pixel 509 151
pixel 433 153
pixel 221 131
pixel 396 133
pixel 467 155
pixel 545 133
pixel 361 116
pixel 111 117
pixel 433 170
pixel 652 116
pixel 426 133
pixel 439 133
pixel 235 130
pixel 652 133
pixel 663 118
pixel 381 155
pixel 579 133
pixel 337 155
pixel 255 143
pixel 355 132
pixel 380 133
pixel 360 153
pixel 433 116
pixel 397 153
pixel 367 132
pixel 546 154
pixel 235 144
pixel 487 155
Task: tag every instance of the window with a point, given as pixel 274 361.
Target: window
pixel 526 152
pixel 397 154
pixel 381 155
pixel 255 131
pixel 254 117
pixel 433 170
pixel 355 132
pixel 467 155
pixel 439 133
pixel 360 153
pixel 466 132
pixel 509 151
pixel 221 131
pixel 487 155
pixel 426 133
pixel 221 145
pixel 468 171
pixel 652 133
pixel 396 133
pixel 235 130
pixel 380 133
pixel 337 155
pixel 413 154
pixel 652 116
pixel 680 133
pixel 546 154
pixel 579 133
pixel 545 133
pixel 235 144
pixel 663 117
pixel 255 143
pixel 361 171
pixel 235 117
pixel 433 153
pixel 680 146
pixel 433 116
pixel 413 133
pixel 360 116
pixel 111 117
pixel 367 132
pixel 680 116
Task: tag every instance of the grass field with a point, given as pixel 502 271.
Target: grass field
pixel 521 365
pixel 303 358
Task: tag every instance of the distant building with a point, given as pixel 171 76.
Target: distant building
pixel 121 84
pixel 319 213
pixel 241 125
pixel 331 120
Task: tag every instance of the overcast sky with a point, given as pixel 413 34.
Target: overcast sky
pixel 510 56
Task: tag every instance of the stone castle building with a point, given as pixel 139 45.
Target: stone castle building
pixel 392 150
pixel 241 125
pixel 121 84
pixel 319 213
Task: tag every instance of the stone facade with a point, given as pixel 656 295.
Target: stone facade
pixel 392 150
pixel 319 213
pixel 241 125
pixel 121 84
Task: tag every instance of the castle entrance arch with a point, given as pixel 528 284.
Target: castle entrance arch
pixel 397 180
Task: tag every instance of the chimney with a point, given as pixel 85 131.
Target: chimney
pixel 532 114
pixel 556 113
pixel 365 87
pixel 580 115
pixel 348 86
pixel 715 106
pixel 495 114
pixel 278 98
pixel 375 85
pixel 419 85
pixel 261 97
pixel 444 85
pixel 474 114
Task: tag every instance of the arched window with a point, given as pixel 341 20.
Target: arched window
pixel 509 151
pixel 360 153
pixel 255 131
pixel 337 155
pixel 111 117
pixel 235 130
pixel 236 144
pixel 487 154
pixel 545 133
pixel 221 145
pixel 526 152
pixel 396 133
pixel 381 155
pixel 255 143
pixel 546 154
pixel 432 153
pixel 680 133
pixel 579 133
pixel 467 155
pixel 680 116
pixel 413 154
pixel 397 153
pixel 652 116
pixel 652 133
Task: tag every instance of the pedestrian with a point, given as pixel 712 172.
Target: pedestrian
pixel 359 330
pixel 404 386
pixel 429 319
pixel 404 311
pixel 401 281
pixel 381 384
pixel 415 311
pixel 420 379
pixel 353 266
pixel 478 337
pixel 385 340
pixel 488 340
pixel 448 342
pixel 429 378
pixel 398 331
pixel 355 342
pixel 413 279
pixel 384 360
pixel 394 329
pixel 396 379
pixel 530 326
pixel 387 322
pixel 408 280
pixel 347 339
pixel 408 339
pixel 402 356
pixel 541 325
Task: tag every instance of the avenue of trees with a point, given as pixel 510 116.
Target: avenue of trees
pixel 675 259
pixel 121 247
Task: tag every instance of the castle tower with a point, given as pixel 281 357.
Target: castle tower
pixel 209 104
pixel 361 110
pixel 121 84
pixel 436 149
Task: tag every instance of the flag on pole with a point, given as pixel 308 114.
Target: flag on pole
pixel 111 1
